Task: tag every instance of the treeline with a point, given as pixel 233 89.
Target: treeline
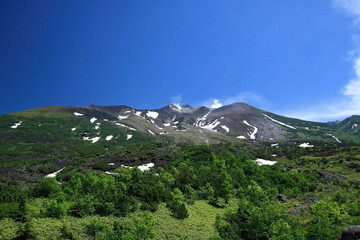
pixel 196 174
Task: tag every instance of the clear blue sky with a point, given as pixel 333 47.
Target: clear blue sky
pixel 277 55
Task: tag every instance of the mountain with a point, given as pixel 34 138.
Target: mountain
pixel 54 131
pixel 350 125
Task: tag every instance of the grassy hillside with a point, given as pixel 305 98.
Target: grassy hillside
pixel 45 134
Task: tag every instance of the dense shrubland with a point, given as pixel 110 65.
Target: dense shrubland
pixel 124 205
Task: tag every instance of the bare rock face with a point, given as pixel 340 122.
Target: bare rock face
pixel 351 233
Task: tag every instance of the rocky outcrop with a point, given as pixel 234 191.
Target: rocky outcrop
pixel 282 198
pixel 351 233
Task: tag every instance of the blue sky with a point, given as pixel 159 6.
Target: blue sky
pixel 299 58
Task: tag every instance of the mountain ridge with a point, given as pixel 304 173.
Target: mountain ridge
pixel 238 120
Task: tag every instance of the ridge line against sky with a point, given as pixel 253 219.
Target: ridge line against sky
pixel 292 58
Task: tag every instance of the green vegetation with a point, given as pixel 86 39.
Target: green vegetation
pixel 201 192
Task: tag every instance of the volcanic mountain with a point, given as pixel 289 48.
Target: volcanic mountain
pixel 58 129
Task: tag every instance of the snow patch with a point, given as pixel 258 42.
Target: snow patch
pixel 129 136
pixel 96 127
pixel 305 145
pixel 152 114
pixel 354 125
pixel 281 123
pixel 334 137
pixel 211 126
pixel 94 139
pixel 251 135
pixel 166 124
pixel 111 164
pixel 73 129
pixel 123 125
pixel 16 124
pixel 146 167
pixel 78 114
pixel 52 175
pixel 225 127
pixel 274 145
pixel 143 167
pixel 108 138
pixel 241 137
pixel 151 132
pixel 201 120
pixel 122 117
pixel 138 113
pixel 262 162
pixel 93 120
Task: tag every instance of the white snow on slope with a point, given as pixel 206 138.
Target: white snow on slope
pixel 241 137
pixel 151 132
pixel 146 167
pixel 158 127
pixel 122 117
pixel 201 120
pixel 108 138
pixel 334 137
pixel 73 129
pixel 111 164
pixel 93 120
pixel 94 139
pixel 52 175
pixel 281 123
pixel 211 126
pixel 305 145
pixel 264 162
pixel 97 127
pixel 274 145
pixel 123 125
pixel 225 128
pixel 16 124
pixel 354 125
pixel 152 114
pixel 166 124
pixel 78 114
pixel 129 136
pixel 251 135
pixel 138 113
pixel 127 112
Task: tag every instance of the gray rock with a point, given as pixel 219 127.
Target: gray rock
pixel 282 198
pixel 351 233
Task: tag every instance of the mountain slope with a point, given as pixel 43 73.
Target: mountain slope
pixel 55 131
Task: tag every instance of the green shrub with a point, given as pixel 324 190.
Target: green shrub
pixel 47 169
